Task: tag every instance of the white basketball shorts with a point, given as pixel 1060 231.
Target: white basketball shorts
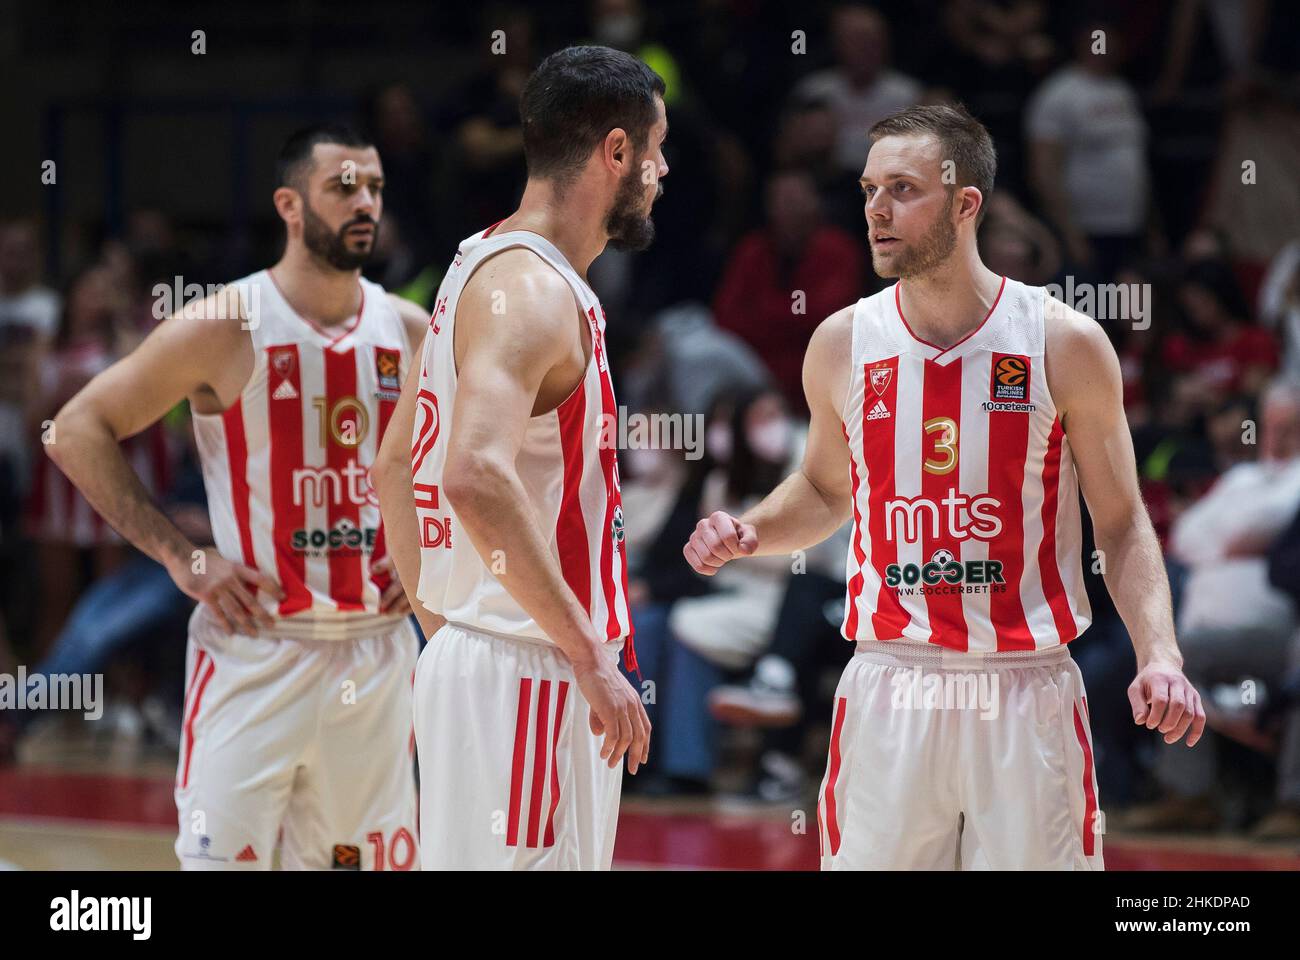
pixel 510 773
pixel 312 737
pixel 945 761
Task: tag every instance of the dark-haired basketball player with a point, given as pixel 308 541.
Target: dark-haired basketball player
pixel 514 540
pixel 297 709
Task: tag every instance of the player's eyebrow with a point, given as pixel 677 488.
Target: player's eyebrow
pixel 357 177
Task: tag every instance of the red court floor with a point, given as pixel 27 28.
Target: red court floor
pixel 53 818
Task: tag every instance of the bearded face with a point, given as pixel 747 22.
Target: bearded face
pixel 348 248
pixel 903 259
pixel 628 222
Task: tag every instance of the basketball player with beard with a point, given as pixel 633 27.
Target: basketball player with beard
pixel 297 709
pixel 955 417
pixel 502 502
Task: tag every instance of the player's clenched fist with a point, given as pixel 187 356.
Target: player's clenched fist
pixel 718 538
pixel 1164 699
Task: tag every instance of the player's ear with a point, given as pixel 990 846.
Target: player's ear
pixel 618 149
pixel 972 201
pixel 288 204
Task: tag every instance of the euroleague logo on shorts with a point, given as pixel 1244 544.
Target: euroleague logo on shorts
pixel 1009 389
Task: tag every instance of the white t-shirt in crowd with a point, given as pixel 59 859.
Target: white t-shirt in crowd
pixel 1252 501
pixel 35 307
pixel 1097 121
pixel 856 110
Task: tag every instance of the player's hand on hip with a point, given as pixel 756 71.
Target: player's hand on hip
pixel 229 590
pixel 718 538
pixel 393 599
pixel 616 712
pixel 1164 699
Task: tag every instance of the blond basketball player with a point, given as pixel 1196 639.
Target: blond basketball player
pixel 954 417
pixel 297 709
pixel 513 537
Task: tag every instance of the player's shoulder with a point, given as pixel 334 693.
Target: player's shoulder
pixel 833 337
pixel 223 314
pixel 1066 329
pixel 519 287
pixel 828 358
pixel 407 310
pixel 413 317
pixel 1081 362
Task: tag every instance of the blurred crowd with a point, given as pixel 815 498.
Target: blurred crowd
pixel 1152 145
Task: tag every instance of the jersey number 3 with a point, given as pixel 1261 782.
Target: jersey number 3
pixel 943 457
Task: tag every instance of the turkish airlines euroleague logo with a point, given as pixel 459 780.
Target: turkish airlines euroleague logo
pixel 1010 377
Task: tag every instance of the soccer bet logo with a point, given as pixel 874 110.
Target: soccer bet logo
pixel 616 528
pixel 344 535
pixel 944 573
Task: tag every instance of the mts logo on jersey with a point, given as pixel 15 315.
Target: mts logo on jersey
pixel 1010 377
pixel 958 516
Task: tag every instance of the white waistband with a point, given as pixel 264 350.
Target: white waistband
pixel 903 654
pixel 306 626
pixel 616 645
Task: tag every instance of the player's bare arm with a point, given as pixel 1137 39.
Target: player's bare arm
pixel 814 501
pixel 202 353
pixel 391 474
pixel 395 598
pixel 1084 378
pixel 520 350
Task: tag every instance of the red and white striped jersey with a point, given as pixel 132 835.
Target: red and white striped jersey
pixel 287 466
pixel 570 476
pixel 965 502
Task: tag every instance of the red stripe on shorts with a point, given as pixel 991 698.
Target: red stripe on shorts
pixel 517 771
pixel 833 775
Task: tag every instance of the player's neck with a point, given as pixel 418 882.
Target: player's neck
pixel 315 290
pixel 575 224
pixel 946 305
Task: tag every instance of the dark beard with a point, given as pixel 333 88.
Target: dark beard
pixel 627 228
pixel 333 247
pixel 931 250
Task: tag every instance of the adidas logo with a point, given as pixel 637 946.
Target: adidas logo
pixel 879 411
pixel 246 855
pixel 285 391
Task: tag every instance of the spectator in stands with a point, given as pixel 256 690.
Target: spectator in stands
pixel 29 319
pixel 1222 352
pixel 59 520
pixel 806 140
pixel 785 278
pixel 1279 306
pixel 1016 244
pixel 1233 624
pixel 1087 156
pixel 485 175
pixel 690 632
pixel 395 122
pixel 861 88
